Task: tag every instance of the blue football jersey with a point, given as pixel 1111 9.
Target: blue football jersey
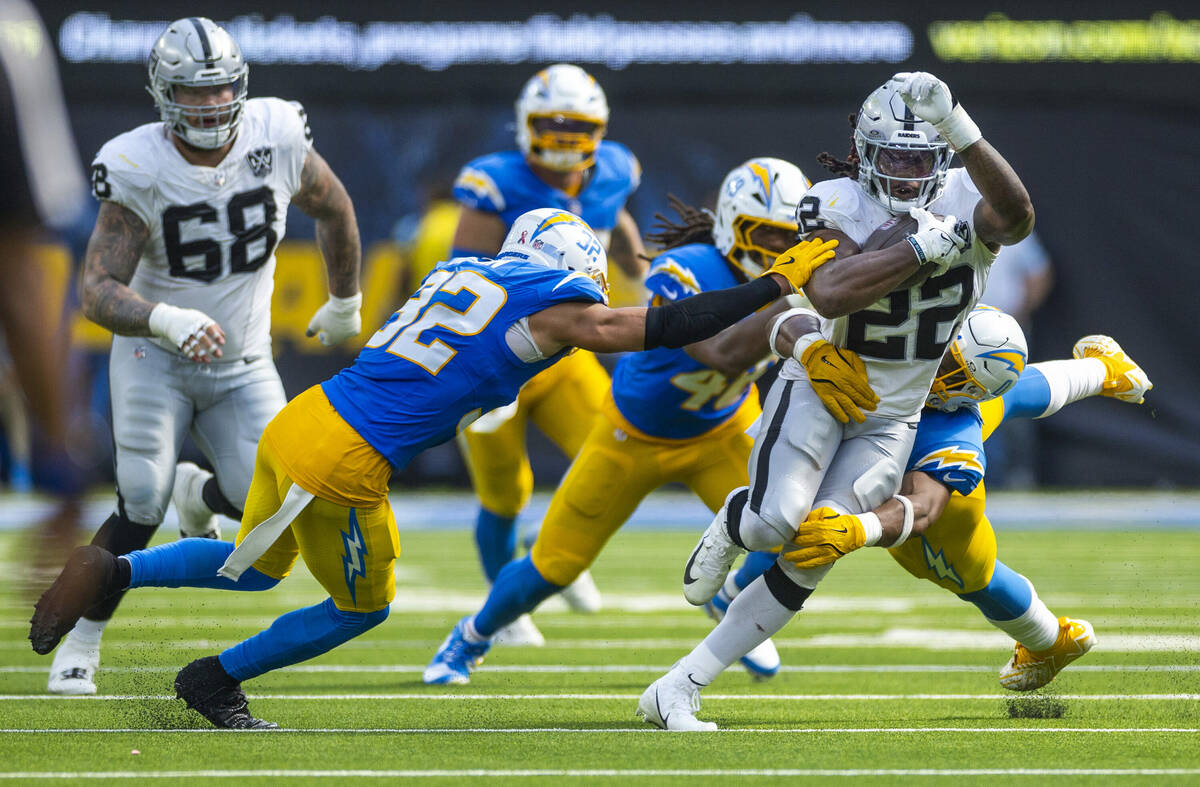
pixel 442 360
pixel 667 393
pixel 503 183
pixel 949 447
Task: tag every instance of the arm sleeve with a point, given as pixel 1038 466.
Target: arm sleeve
pixel 694 319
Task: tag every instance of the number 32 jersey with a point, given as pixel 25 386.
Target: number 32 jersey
pixel 901 337
pixel 213 230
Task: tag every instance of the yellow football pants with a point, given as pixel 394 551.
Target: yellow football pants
pixel 958 551
pixel 616 469
pixel 561 401
pixel 350 549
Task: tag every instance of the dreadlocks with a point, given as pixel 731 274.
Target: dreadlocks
pixel 849 167
pixel 695 226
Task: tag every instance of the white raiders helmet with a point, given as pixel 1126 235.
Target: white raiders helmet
pixel 985 359
pixel 559 240
pixel 758 198
pixel 195 52
pixel 896 148
pixel 561 116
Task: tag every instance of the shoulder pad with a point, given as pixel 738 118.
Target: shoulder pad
pixel 475 188
pixel 670 277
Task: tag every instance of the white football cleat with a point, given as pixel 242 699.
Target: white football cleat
pixel 196 520
pixel 521 632
pixel 73 671
pixel 582 595
pixel 1124 379
pixel 712 558
pixel 671 702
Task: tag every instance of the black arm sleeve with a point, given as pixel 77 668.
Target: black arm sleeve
pixel 698 317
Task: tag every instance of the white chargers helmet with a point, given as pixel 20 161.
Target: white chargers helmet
pixel 985 359
pixel 561 116
pixel 902 161
pixel 756 212
pixel 560 240
pixel 196 52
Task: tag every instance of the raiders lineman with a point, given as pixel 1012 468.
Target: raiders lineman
pixel 180 267
pixel 897 308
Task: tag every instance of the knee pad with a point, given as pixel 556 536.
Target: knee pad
pixel 755 533
pixel 143 502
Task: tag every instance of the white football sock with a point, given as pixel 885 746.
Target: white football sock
pixel 88 631
pixel 753 617
pixel 1036 628
pixel 700 666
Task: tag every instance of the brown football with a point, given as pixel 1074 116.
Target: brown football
pixel 891 232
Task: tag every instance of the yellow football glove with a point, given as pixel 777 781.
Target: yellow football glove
pixel 824 537
pixel 1124 380
pixel 839 378
pixel 798 263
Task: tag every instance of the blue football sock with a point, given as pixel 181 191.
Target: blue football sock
pixel 753 567
pixel 496 537
pixel 297 636
pixel 192 563
pixel 1007 597
pixel 518 589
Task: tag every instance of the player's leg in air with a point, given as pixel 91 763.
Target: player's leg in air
pixel 349 545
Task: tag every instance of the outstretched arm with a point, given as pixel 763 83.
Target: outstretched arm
pixel 740 346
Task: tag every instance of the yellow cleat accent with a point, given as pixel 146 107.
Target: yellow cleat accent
pixel 1124 380
pixel 1028 670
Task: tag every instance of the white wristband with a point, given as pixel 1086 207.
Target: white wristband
pixel 958 129
pixel 347 305
pixel 908 520
pixel 872 528
pixel 781 319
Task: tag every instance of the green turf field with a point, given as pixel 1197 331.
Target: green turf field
pixel 886 679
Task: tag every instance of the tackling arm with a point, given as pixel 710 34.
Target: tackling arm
pixel 827 535
pixel 740 346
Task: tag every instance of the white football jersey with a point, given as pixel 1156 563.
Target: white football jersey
pixel 901 337
pixel 213 230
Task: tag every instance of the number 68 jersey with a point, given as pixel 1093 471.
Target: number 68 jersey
pixel 902 337
pixel 213 230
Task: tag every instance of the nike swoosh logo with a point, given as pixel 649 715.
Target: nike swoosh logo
pixel 695 682
pixel 687 570
pixel 658 706
pixel 843 530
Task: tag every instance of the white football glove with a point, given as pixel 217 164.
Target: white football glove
pixel 929 98
pixel 192 332
pixel 337 320
pixel 936 241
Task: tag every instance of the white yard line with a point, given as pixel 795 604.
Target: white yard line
pixel 598 696
pixel 598 772
pixel 569 669
pixel 600 731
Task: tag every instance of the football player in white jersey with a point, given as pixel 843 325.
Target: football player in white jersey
pixel 180 267
pixel 898 308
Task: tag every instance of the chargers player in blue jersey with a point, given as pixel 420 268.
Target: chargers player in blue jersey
pixel 674 414
pixel 562 161
pixel 463 344
pixel 936 528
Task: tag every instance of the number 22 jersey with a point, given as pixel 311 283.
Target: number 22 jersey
pixel 212 230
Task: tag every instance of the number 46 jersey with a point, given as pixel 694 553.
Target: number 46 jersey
pixel 213 230
pixel 901 337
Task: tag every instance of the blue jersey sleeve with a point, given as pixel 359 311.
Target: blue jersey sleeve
pixel 671 278
pixel 477 187
pixel 627 163
pixel 949 447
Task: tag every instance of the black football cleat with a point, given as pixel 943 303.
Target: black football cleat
pixel 90 576
pixel 210 691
